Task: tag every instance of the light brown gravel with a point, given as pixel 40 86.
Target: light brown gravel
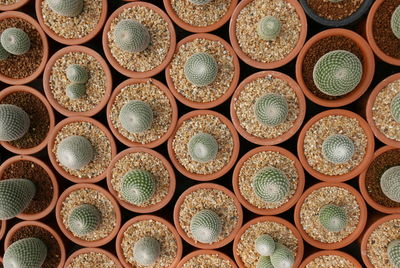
pixel 92 259
pixel 154 55
pixel 279 232
pixel 99 141
pixel 267 51
pixel 322 129
pixel 97 199
pixel 222 81
pixel 309 213
pixel 244 106
pixel 212 199
pixel 159 103
pixel 207 124
pixel 8 2
pixel 207 261
pixel 330 261
pixel 153 229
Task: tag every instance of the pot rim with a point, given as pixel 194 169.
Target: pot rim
pixel 206 251
pixel 89 250
pixel 14 6
pixel 330 252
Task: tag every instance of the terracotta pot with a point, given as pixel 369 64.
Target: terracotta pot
pixel 167 93
pixel 115 63
pixel 50 173
pixel 39 70
pixel 75 239
pixel 89 250
pixel 136 219
pixel 344 255
pixel 48 91
pixel 296 124
pixel 3 228
pixel 217 244
pixel 14 6
pixel 53 157
pixel 271 65
pixel 226 95
pixel 300 244
pixel 357 170
pixel 221 172
pixel 204 252
pixel 54 234
pixel 368 68
pixel 10 90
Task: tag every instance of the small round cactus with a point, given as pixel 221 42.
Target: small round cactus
pixel 395 22
pixel 265 245
pixel 75 91
pixel 4 54
pixel 146 251
pixel 333 218
pixel 14 122
pixel 15 41
pixel 25 253
pixel 77 74
pixel 138 186
pixel 338 149
pixel 271 184
pixel 393 252
pixel 390 183
pixel 200 2
pixel 84 219
pixel 335 1
pixel 282 257
pixel 201 69
pixel 131 36
pixel 264 262
pixel 269 28
pixel 206 226
pixel 271 109
pixel 337 72
pixel 395 108
pixel 203 147
pixel 66 8
pixel 136 116
pixel 75 152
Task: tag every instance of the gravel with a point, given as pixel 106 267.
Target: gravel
pixel 207 261
pixel 92 259
pixel 330 261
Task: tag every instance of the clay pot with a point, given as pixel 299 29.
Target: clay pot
pixel 10 90
pixel 221 172
pixel 271 65
pixel 296 125
pixel 48 91
pixel 357 170
pixel 69 234
pixel 136 219
pixel 50 173
pixel 3 228
pixel 89 250
pixel 14 6
pixel 205 252
pixel 344 255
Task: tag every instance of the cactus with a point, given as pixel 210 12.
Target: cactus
pixel 146 251
pixel 337 72
pixel 390 183
pixel 77 74
pixel 282 257
pixel 203 147
pixel 395 108
pixel 15 41
pixel 269 28
pixel 131 36
pixel 395 22
pixel 3 53
pixel 206 226
pixel 138 186
pixel 335 1
pixel 271 109
pixel 393 252
pixel 75 91
pixel 338 149
pixel 136 116
pixel 271 184
pixel 84 219
pixel 75 152
pixel 333 218
pixel 264 262
pixel 201 69
pixel 66 8
pixel 265 245
pixel 25 253
pixel 200 2
pixel 14 122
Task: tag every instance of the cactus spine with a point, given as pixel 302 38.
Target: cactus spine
pixel 203 147
pixel 75 152
pixel 138 186
pixel 395 22
pixel 393 252
pixel 206 226
pixel 75 91
pixel 395 108
pixel 131 36
pixel 25 253
pixel 269 28
pixel 77 74
pixel 282 257
pixel 265 245
pixel 201 69
pixel 271 109
pixel 271 184
pixel 136 116
pixel 84 219
pixel 333 218
pixel 14 122
pixel 147 251
pixel 338 149
pixel 15 41
pixel 264 262
pixel 66 8
pixel 390 183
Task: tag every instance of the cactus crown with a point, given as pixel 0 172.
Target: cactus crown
pixel 395 108
pixel 66 8
pixel 75 91
pixel 265 245
pixel 75 152
pixel 271 109
pixel 395 22
pixel 84 219
pixel 77 74
pixel 337 72
pixel 200 2
pixel 201 69
pixel 14 122
pixel 15 41
pixel 271 184
pixel 264 262
pixel 25 253
pixel 206 226
pixel 131 36
pixel 390 183
pixel 269 28
pixel 393 252
pixel 338 149
pixel 203 147
pixel 136 116
pixel 147 251
pixel 138 186
pixel 333 218
pixel 282 257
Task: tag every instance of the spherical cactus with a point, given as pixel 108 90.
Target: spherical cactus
pixel 77 74
pixel 203 147
pixel 4 54
pixel 15 41
pixel 395 22
pixel 265 245
pixel 131 36
pixel 390 183
pixel 271 184
pixel 269 28
pixel 84 219
pixel 395 108
pixel 333 218
pixel 146 251
pixel 206 226
pixel 138 186
pixel 25 253
pixel 393 252
pixel 335 1
pixel 75 152
pixel 201 69
pixel 75 91
pixel 66 8
pixel 271 109
pixel 136 116
pixel 200 2
pixel 337 73
pixel 282 257
pixel 14 122
pixel 338 149
pixel 264 262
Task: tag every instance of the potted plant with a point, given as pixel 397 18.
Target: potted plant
pixel 142 112
pixel 77 81
pixel 318 78
pixel 330 258
pixel 204 71
pixel 154 39
pixel 254 101
pixel 13 4
pixel 209 257
pixel 268 36
pixel 92 257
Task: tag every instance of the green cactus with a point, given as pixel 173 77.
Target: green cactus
pixel 131 36
pixel 271 109
pixel 269 28
pixel 282 257
pixel 84 219
pixel 146 251
pixel 333 218
pixel 75 91
pixel 77 74
pixel 393 252
pixel 3 53
pixel 206 226
pixel 25 253
pixel 395 22
pixel 338 149
pixel 337 72
pixel 201 69
pixel 136 116
pixel 15 41
pixel 270 184
pixel 264 262
pixel 200 2
pixel 138 186
pixel 14 122
pixel 66 8
pixel 265 245
pixel 203 147
pixel 395 108
pixel 335 1
pixel 390 183
pixel 75 152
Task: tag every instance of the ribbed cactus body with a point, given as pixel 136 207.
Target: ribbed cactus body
pixel 66 8
pixel 333 218
pixel 395 22
pixel 203 147
pixel 264 262
pixel 75 91
pixel 25 253
pixel 77 74
pixel 393 252
pixel 131 36
pixel 271 184
pixel 84 219
pixel 75 152
pixel 206 226
pixel 138 186
pixel 335 1
pixel 271 109
pixel 136 116
pixel 200 2
pixel 338 149
pixel 395 108
pixel 201 69
pixel 269 28
pixel 265 245
pixel 390 183
pixel 15 41
pixel 4 54
pixel 282 257
pixel 14 122
pixel 147 251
